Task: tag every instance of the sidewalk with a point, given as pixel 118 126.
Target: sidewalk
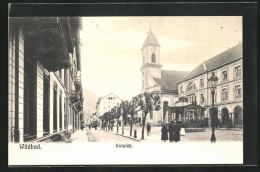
pixel 155 136
pixel 79 136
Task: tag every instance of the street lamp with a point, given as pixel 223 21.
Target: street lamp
pixel 213 80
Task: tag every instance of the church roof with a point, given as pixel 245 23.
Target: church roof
pixel 169 79
pixel 150 40
pixel 216 61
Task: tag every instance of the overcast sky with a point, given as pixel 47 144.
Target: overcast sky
pixel 111 55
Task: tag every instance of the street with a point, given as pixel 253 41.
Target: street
pixel 98 136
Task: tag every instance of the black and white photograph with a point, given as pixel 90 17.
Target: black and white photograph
pixel 95 90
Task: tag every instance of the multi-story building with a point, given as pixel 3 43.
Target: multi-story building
pixel 228 98
pixel 106 103
pixel 45 94
pixel 158 81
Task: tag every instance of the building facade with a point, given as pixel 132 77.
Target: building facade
pixel 45 92
pixel 106 103
pixel 228 98
pixel 158 81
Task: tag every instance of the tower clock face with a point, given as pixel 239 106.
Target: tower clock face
pixel 153 49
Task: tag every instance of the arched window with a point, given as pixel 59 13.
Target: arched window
pixel 153 58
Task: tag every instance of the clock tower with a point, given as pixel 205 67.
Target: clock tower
pixel 151 67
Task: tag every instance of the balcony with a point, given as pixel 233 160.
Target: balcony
pixel 74 96
pixel 78 106
pixel 49 40
pixel 77 82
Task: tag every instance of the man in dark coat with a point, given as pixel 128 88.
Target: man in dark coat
pixel 171 127
pixel 148 127
pixel 164 131
pixel 176 132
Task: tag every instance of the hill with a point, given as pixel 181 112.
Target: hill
pixel 90 100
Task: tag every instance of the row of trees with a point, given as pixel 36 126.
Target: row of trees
pixel 145 102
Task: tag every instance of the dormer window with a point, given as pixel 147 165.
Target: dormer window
pixel 153 58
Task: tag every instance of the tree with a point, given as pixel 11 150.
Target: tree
pixel 133 106
pixel 113 116
pixel 102 121
pixel 105 116
pixel 118 114
pixel 124 106
pixel 147 103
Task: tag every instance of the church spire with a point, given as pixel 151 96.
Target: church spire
pixel 150 39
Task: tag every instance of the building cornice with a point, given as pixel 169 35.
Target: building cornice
pixel 151 65
pixel 220 66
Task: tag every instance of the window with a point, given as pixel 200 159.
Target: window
pixel 224 94
pixel 181 90
pixel 153 58
pixel 191 87
pixel 237 91
pixel 224 75
pixel 201 83
pixel 202 99
pixel 46 104
pixel 54 108
pixel 237 71
pixel 60 103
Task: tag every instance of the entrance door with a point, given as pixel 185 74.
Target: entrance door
pixel 225 117
pixel 238 118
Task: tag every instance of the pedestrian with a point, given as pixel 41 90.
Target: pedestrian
pixel 89 126
pixel 164 131
pixel 176 132
pixel 171 128
pixel 148 127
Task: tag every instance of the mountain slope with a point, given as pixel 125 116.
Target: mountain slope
pixel 90 100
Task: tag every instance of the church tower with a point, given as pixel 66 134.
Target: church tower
pixel 151 67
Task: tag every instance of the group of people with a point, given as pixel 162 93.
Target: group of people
pixel 173 130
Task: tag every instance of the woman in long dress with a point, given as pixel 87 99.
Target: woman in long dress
pixel 164 131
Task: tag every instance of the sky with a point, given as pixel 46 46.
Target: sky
pixel 111 47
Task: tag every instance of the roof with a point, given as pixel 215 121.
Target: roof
pixel 111 94
pixel 216 61
pixel 151 40
pixel 169 79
